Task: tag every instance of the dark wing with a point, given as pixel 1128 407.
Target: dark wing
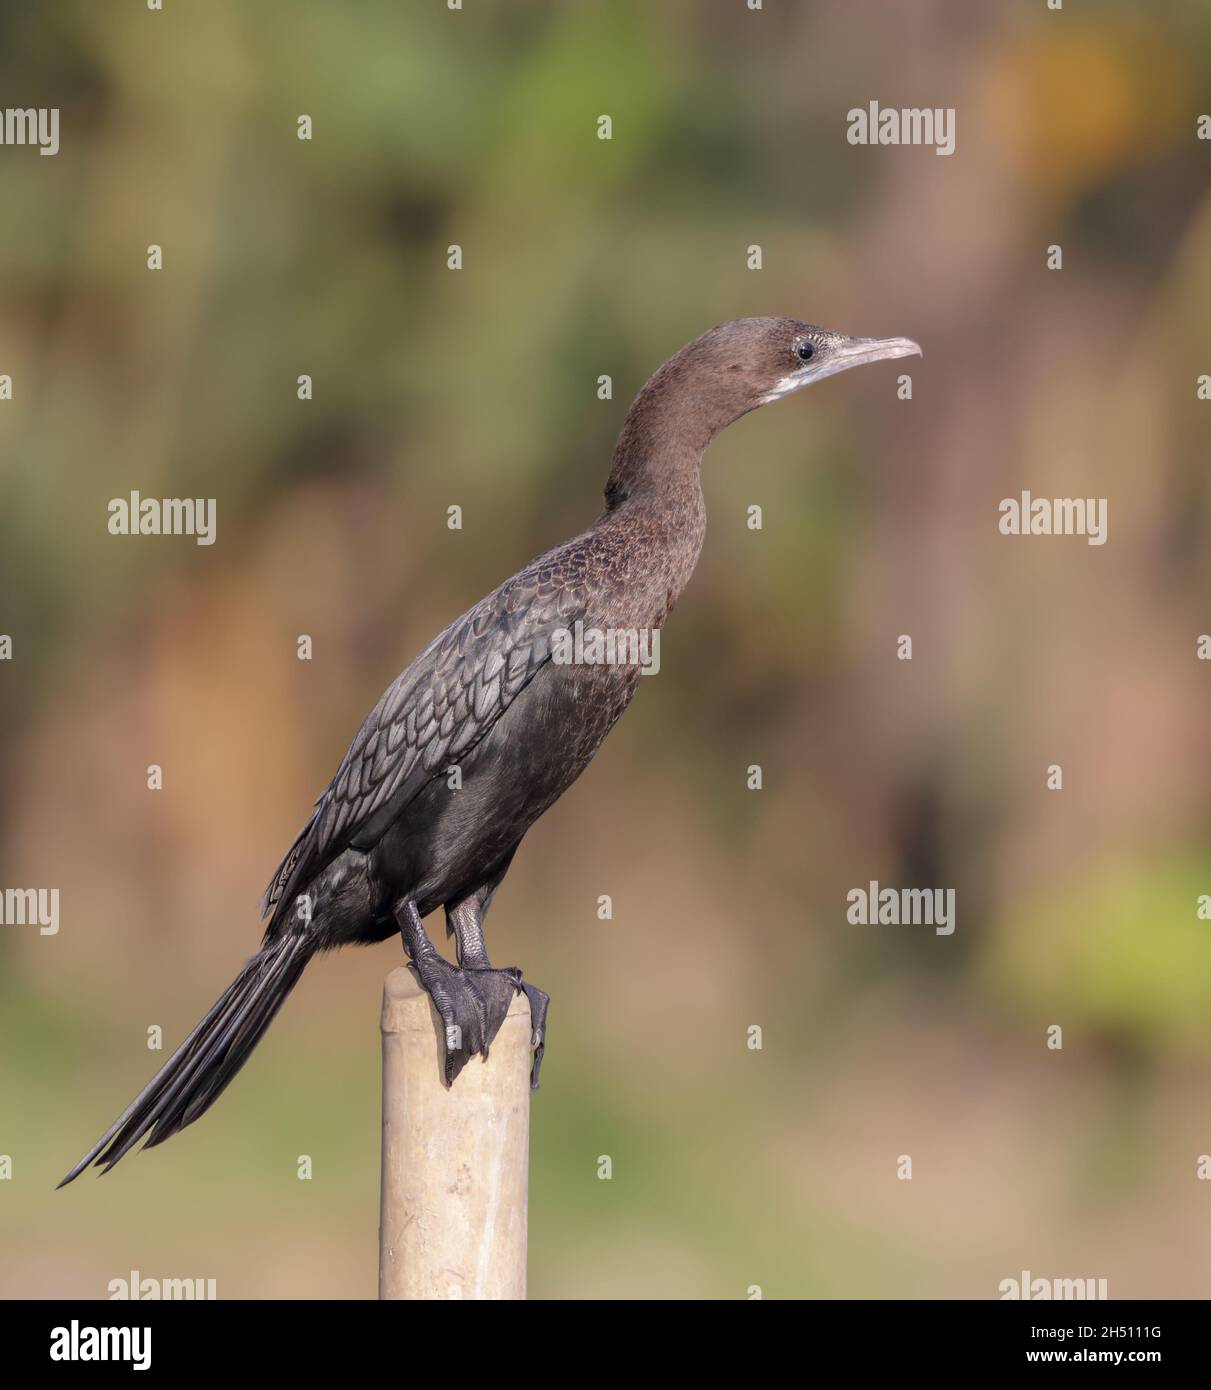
pixel 434 713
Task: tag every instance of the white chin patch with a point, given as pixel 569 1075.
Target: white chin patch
pixel 783 388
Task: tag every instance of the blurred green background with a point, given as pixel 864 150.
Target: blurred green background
pixel 732 1167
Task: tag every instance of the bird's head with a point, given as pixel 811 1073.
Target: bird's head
pixel 732 369
pixel 748 363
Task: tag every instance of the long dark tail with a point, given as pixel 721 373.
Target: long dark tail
pixel 197 1073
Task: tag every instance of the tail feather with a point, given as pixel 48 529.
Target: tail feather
pixel 200 1069
pixel 172 1080
pixel 240 1035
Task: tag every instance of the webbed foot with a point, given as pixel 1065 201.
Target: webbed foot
pixel 472 1005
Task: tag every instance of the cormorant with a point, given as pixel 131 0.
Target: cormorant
pixel 390 840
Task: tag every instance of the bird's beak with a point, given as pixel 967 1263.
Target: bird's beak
pixel 843 353
pixel 857 352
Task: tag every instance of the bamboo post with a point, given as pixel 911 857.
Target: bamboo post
pixel 455 1168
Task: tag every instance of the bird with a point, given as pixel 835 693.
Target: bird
pixel 495 696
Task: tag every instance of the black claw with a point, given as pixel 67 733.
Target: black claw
pixel 539 1001
pixel 473 1003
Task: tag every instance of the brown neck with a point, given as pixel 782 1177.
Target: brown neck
pixel 665 434
pixel 654 499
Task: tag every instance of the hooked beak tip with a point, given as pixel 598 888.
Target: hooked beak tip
pixel 858 352
pixel 897 347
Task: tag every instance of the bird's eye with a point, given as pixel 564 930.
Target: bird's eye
pixel 806 352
